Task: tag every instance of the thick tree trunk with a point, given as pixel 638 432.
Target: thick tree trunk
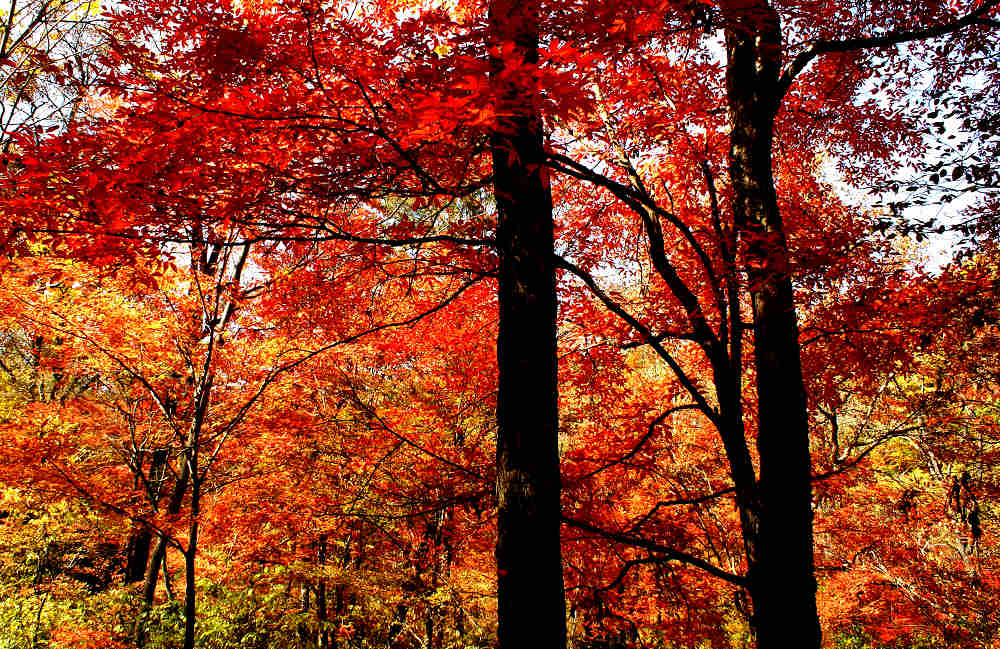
pixel 782 583
pixel 741 468
pixel 530 598
pixel 140 542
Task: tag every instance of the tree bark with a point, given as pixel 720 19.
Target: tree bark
pixel 191 551
pixel 530 599
pixel 141 539
pixel 140 542
pixel 158 556
pixel 190 591
pixel 323 635
pixel 782 582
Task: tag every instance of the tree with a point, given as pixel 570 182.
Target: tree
pixel 531 608
pixel 268 117
pixel 168 407
pixel 747 237
pixel 157 402
pixel 349 107
pixel 46 50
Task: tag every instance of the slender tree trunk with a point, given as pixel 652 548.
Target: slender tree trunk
pixel 190 592
pixel 153 571
pixel 305 630
pixel 398 622
pixel 141 539
pixel 158 556
pixel 166 580
pixel 530 598
pixel 782 583
pixel 323 635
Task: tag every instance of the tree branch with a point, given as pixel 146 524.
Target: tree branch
pixel 820 47
pixel 648 335
pixel 649 433
pixel 667 554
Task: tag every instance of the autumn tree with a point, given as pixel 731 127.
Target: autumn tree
pixel 47 52
pixel 743 239
pixel 268 117
pixel 310 205
pixel 530 601
pixel 382 453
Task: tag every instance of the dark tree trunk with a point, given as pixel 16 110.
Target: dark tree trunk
pixel 398 622
pixel 158 557
pixel 530 599
pixel 323 636
pixel 191 551
pixel 305 631
pixel 141 539
pixel 733 434
pixel 140 543
pixel 190 593
pixel 153 572
pixel 782 583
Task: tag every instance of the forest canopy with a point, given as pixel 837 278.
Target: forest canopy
pixel 507 323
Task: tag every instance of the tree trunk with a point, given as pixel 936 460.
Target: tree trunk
pixel 782 583
pixel 530 598
pixel 323 635
pixel 305 605
pixel 158 556
pixel 189 586
pixel 140 542
pixel 141 539
pixel 191 551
